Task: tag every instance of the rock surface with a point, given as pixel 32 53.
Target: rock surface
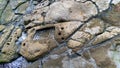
pixel 65 29
pixel 5 35
pixel 9 50
pixel 72 11
pixel 33 49
pixel 59 33
pixel 2 27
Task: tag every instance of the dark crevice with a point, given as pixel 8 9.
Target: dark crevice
pixel 19 14
pixel 19 5
pixel 97 7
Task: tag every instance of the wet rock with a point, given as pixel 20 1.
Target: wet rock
pixel 9 50
pixel 33 49
pixel 113 15
pixel 5 35
pixel 108 34
pixel 65 29
pixel 2 27
pixel 70 10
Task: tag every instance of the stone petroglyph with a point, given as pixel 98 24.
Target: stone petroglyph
pixel 67 19
pixel 9 49
pixel 33 49
pixel 64 34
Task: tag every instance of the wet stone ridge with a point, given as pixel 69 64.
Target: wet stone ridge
pixel 60 34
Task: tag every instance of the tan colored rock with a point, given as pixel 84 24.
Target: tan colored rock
pixel 70 10
pixel 9 50
pixel 33 49
pixel 86 33
pixel 109 33
pixel 2 27
pixel 81 36
pixel 65 29
pixel 62 30
pixel 78 40
pixel 55 14
pixel 74 44
pixel 94 26
pixel 5 35
pixel 113 16
pixel 81 11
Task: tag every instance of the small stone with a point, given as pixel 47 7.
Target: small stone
pixel 74 44
pixel 78 40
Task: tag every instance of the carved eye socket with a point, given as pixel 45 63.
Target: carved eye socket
pixel 62 28
pixel 59 33
pixel 8 43
pixel 62 38
pixel 23 44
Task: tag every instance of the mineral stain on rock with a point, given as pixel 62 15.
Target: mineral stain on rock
pixel 60 34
